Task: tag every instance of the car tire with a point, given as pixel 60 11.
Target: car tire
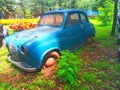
pixel 90 40
pixel 51 60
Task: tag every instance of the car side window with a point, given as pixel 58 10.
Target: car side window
pixel 72 19
pixel 83 17
pixel 59 20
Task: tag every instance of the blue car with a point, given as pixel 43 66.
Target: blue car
pixel 30 50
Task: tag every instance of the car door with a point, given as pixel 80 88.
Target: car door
pixel 72 32
pixel 85 25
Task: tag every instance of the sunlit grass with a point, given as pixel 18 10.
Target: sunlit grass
pixel 4 64
pixel 103 33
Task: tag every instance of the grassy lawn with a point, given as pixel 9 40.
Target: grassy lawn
pixel 99 68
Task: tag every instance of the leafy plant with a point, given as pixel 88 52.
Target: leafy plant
pixel 85 87
pixel 68 68
pixel 117 83
pixel 87 77
pixel 7 86
pixel 101 64
pixel 116 68
pixel 103 75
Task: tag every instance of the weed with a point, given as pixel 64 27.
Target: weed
pixel 68 68
pixel 85 87
pixel 103 75
pixel 51 84
pixel 101 64
pixel 7 86
pixel 98 83
pixel 116 68
pixel 87 77
pixel 28 86
pixel 118 83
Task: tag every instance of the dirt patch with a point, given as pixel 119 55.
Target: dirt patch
pixel 19 78
pixel 97 52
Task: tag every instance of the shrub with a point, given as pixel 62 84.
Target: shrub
pixel 88 77
pixel 68 68
pixel 106 12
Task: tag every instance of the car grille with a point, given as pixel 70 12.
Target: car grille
pixel 13 52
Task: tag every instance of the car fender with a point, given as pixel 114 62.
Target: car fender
pixel 39 52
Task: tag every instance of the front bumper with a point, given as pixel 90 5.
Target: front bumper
pixel 21 65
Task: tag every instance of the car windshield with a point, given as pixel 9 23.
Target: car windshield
pixel 52 19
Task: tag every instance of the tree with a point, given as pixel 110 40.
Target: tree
pixel 115 17
pixel 106 14
pixel 7 8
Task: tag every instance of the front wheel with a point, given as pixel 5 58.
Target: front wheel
pixel 51 60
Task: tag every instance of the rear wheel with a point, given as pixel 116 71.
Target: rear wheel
pixel 90 40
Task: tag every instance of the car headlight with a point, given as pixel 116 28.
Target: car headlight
pixel 23 50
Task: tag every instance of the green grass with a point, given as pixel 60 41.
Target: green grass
pixel 99 70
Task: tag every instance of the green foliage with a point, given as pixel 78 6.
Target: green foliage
pixel 116 69
pixel 7 7
pixel 28 14
pixel 106 12
pixel 7 86
pixel 101 64
pixel 88 77
pixel 40 83
pixel 68 68
pixel 85 87
pixel 117 83
pixel 103 75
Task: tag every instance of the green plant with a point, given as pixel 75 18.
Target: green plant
pixel 101 64
pixel 28 14
pixel 98 82
pixel 106 12
pixel 68 68
pixel 103 75
pixel 41 82
pixel 88 77
pixel 85 87
pixel 28 86
pixel 116 68
pixel 7 86
pixel 67 86
pixel 117 83
pixel 51 84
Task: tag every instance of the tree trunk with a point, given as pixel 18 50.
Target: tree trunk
pixel 73 2
pixel 60 2
pixel 115 17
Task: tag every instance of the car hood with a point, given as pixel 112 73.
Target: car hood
pixel 26 35
pixel 39 31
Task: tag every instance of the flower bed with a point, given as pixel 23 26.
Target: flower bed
pixel 10 21
pixel 19 26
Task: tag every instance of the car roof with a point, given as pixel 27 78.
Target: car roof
pixel 64 11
